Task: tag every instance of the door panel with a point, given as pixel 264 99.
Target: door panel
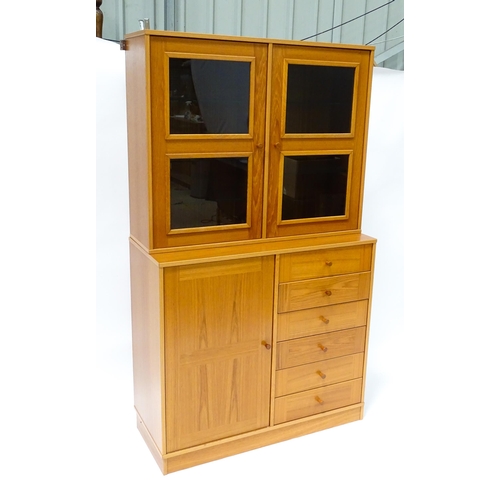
pixel 208 134
pixel 318 124
pixel 218 371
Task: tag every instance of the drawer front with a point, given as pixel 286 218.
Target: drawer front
pixel 316 401
pixel 313 375
pixel 296 324
pixel 323 291
pixel 324 263
pixel 320 347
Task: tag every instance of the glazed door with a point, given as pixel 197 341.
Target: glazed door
pixel 218 322
pixel 318 127
pixel 208 121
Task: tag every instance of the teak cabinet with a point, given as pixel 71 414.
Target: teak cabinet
pixel 251 281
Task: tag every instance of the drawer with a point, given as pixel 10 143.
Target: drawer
pixel 323 263
pixel 316 401
pixel 320 374
pixel 326 319
pixel 320 347
pixel 323 291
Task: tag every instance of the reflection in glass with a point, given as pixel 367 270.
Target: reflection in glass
pixel 208 192
pixel 314 186
pixel 319 99
pixel 209 96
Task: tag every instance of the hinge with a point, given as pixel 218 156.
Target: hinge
pixel 123 44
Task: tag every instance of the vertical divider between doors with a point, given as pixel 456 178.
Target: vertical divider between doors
pixel 267 141
pixel 274 339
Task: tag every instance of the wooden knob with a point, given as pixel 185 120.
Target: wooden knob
pixel 260 146
pixel 321 374
pixel 322 347
pixel 328 292
pixel 319 400
pixel 266 345
pixel 325 320
pixel 328 262
pixel 276 144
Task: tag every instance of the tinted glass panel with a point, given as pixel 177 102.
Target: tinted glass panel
pixel 319 99
pixel 209 96
pixel 314 186
pixel 208 192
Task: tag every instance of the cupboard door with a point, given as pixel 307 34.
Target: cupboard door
pixel 218 318
pixel 318 131
pixel 208 127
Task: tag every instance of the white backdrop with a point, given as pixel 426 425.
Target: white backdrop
pixel 401 448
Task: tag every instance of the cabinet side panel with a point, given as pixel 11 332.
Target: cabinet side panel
pixel 147 342
pixel 366 109
pixel 372 264
pixel 138 133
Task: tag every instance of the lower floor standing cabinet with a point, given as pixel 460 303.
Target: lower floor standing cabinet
pixel 242 346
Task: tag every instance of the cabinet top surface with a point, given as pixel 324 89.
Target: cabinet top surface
pixel 234 38
pixel 225 251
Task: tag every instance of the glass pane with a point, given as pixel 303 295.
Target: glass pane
pixel 319 99
pixel 314 186
pixel 209 96
pixel 208 192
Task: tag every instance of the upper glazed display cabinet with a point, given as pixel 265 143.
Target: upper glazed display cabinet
pixel 244 139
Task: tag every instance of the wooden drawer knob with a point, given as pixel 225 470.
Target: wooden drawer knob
pixel 325 320
pixel 322 347
pixel 319 400
pixel 321 374
pixel 266 345
pixel 328 263
pixel 328 292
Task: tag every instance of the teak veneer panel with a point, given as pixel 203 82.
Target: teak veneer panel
pixel 217 316
pixel 318 400
pixel 325 262
pixel 307 322
pixel 320 347
pixel 147 342
pixel 139 140
pixel 323 291
pixel 322 373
